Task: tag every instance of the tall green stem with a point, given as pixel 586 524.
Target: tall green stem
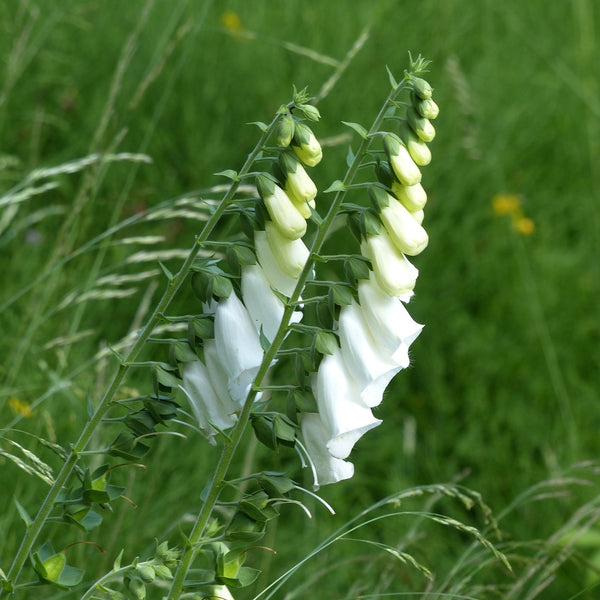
pixel 228 452
pixel 173 286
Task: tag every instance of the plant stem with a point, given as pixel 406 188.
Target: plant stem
pixel 229 449
pixel 105 404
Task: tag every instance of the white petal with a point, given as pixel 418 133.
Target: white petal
pixel 370 363
pixel 387 319
pixel 346 418
pixel 219 377
pixel 265 308
pixel 277 278
pixel 206 405
pixel 291 255
pixel 238 346
pixel 328 468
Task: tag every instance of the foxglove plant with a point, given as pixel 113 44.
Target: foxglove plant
pixel 257 315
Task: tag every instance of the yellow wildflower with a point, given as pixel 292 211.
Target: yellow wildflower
pixel 231 20
pixel 20 407
pixel 506 204
pixel 523 225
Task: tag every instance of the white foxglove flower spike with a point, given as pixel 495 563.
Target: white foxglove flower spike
pixel 265 308
pixel 387 319
pixel 327 468
pixel 369 362
pixel 394 273
pixel 345 417
pixel 205 403
pixel 238 346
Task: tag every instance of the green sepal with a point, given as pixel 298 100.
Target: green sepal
pixel 265 184
pixel 379 197
pixel 166 378
pixel 288 163
pixel 245 577
pixel 52 567
pixel 325 342
pixel 222 286
pixel 341 295
pixel 136 587
pixel 284 430
pixel 204 328
pixel 229 173
pixel 243 528
pixel 183 352
pixel 364 134
pixel 285 130
pixel 370 223
pixel 257 506
pixel 82 516
pixel 356 268
pixel 384 174
pixel 127 446
pixel 353 221
pixel 305 402
pixel 117 561
pixel 275 485
pixel 146 573
pixel 324 315
pixel 202 285
pixel 264 430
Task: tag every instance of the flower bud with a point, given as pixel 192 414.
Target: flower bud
pixel 422 88
pixel 282 210
pixel 309 111
pixel 418 216
pixel 291 255
pixel 426 108
pixel 420 125
pixel 306 146
pixel 146 572
pixel 285 130
pixel 406 234
pixel 276 277
pixel 394 274
pixel 401 162
pixel 413 197
pixel 299 187
pixel 417 148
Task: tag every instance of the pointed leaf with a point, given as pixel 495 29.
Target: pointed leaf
pixel 336 186
pixel 229 173
pixel 349 156
pixel 23 513
pixel 358 128
pixel 325 342
pixel 393 81
pixel 262 126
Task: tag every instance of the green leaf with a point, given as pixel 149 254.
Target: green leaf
pixel 285 430
pixel 364 134
pixel 117 562
pixel 166 271
pixel 126 446
pixel 203 328
pixel 245 576
pixel 183 352
pixel 229 173
pixel 358 267
pixel 264 431
pixel 23 513
pixel 349 156
pixel 305 402
pixel 245 529
pixel 262 126
pixel 336 186
pixel 244 254
pixel 202 285
pixel 325 342
pixel 275 485
pixel 393 81
pixel 265 344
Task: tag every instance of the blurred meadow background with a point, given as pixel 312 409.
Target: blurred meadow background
pixel 141 102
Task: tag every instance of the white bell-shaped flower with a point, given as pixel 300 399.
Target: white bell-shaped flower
pixel 394 273
pixel 327 468
pixel 264 307
pixel 345 416
pixel 238 346
pixel 370 364
pixel 413 197
pixel 275 275
pixel 207 406
pixel 387 320
pixel 290 254
pixel 406 234
pixel 219 377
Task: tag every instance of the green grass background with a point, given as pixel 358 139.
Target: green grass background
pixel 503 387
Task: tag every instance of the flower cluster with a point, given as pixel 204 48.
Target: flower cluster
pixel 218 386
pixel 376 331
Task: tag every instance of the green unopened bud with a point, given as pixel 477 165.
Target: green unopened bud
pixel 146 572
pixel 401 162
pixel 137 588
pixel 426 108
pixel 285 130
pixel 281 209
pixel 306 146
pixel 417 148
pixel 413 197
pixel 422 88
pixel 163 572
pixel 406 234
pixel 309 111
pixel 420 125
